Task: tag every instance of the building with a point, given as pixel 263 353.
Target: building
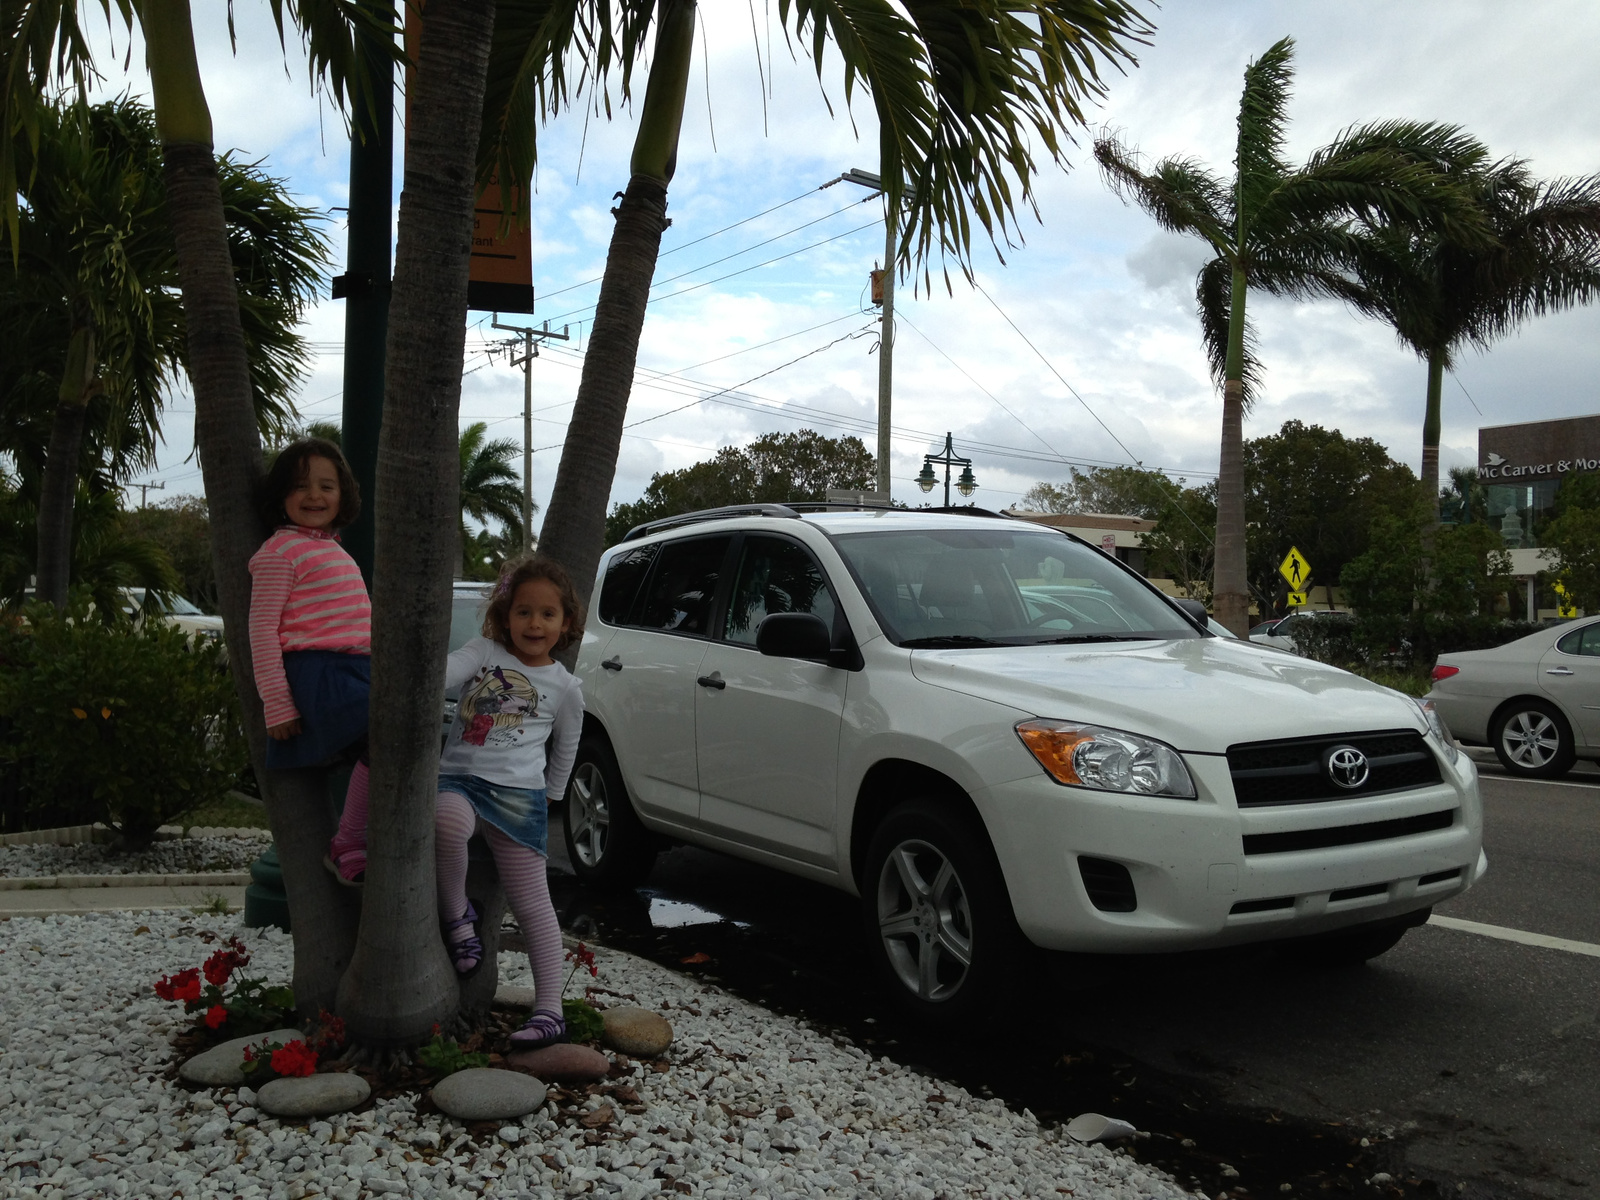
pixel 1122 536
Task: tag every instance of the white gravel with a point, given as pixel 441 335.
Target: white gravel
pixel 84 1110
pixel 179 856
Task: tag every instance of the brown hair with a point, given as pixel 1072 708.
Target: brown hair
pixel 497 616
pixel 291 466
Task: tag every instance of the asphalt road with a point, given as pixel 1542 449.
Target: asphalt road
pixel 1471 1064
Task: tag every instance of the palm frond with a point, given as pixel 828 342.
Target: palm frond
pixel 1263 113
pixel 1179 193
pixel 1213 293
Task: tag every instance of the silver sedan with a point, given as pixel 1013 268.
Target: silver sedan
pixel 1536 700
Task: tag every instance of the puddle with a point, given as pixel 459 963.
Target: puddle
pixel 675 914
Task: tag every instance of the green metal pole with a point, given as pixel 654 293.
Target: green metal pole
pixel 366 284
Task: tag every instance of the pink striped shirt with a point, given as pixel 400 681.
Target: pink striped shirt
pixel 306 594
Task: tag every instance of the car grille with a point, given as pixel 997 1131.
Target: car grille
pixel 1347 835
pixel 1291 771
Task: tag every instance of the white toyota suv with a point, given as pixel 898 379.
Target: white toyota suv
pixel 993 731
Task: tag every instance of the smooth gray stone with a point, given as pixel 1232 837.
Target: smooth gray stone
pixel 509 995
pixel 488 1094
pixel 637 1031
pixel 219 1066
pixel 313 1095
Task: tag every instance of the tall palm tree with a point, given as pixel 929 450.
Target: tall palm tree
pixel 490 489
pixel 1441 292
pixel 1285 230
pixel 94 285
pixel 963 92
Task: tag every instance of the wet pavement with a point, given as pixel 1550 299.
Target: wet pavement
pixel 1253 1076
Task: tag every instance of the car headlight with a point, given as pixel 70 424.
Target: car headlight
pixel 1107 760
pixel 1436 726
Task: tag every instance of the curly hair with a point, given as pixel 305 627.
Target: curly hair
pixel 289 469
pixel 515 573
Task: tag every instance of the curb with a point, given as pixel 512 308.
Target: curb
pixel 77 835
pixel 41 883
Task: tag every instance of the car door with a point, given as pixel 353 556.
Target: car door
pixel 768 728
pixel 649 703
pixel 1569 672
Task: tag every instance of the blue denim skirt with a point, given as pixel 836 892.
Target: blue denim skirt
pixel 330 689
pixel 519 813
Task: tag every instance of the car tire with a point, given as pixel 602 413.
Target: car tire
pixel 1532 740
pixel 937 916
pixel 607 844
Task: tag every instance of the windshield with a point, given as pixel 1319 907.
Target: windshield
pixel 1000 587
pixel 174 603
pixel 466 616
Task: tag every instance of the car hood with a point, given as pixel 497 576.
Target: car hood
pixel 1196 694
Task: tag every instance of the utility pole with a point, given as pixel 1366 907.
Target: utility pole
pixel 885 283
pixel 529 352
pixel 145 488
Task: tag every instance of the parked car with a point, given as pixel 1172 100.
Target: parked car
pixel 467 599
pixel 1280 634
pixel 886 703
pixel 174 610
pixel 1535 700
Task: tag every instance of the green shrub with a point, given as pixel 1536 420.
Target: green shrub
pixel 584 1022
pixel 1401 644
pixel 128 724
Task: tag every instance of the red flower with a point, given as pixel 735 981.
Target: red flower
pixel 296 1058
pixel 221 965
pixel 582 956
pixel 185 985
pixel 331 1033
pixel 215 1016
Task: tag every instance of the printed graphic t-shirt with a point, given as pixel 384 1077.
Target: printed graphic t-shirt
pixel 507 713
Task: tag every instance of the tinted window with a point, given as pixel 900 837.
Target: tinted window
pixel 1003 587
pixel 775 576
pixel 466 617
pixel 1581 641
pixel 621 586
pixel 679 594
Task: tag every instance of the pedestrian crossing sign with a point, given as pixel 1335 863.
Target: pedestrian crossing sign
pixel 1297 599
pixel 1295 569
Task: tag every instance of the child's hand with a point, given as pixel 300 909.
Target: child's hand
pixel 282 733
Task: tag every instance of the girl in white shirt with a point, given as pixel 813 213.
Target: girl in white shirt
pixel 494 777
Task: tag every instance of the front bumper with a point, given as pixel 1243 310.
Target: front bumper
pixel 1196 887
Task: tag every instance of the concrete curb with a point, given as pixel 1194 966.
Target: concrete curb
pixel 42 883
pixel 73 901
pixel 77 835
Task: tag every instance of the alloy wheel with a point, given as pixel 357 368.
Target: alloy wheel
pixel 1531 739
pixel 588 814
pixel 925 920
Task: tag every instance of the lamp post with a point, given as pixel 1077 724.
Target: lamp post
pixel 867 179
pixel 966 482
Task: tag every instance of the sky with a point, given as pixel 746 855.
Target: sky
pixel 1081 346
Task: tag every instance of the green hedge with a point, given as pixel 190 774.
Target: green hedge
pixel 1406 643
pixel 130 724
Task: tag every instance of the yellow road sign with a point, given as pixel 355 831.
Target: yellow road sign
pixel 1296 599
pixel 1564 605
pixel 1295 569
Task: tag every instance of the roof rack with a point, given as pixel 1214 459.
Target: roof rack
pixel 798 508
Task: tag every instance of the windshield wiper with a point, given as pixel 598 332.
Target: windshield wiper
pixel 947 641
pixel 1078 639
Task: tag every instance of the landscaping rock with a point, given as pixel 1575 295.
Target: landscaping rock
pixel 219 1066
pixel 562 1063
pixel 508 995
pixel 488 1094
pixel 313 1095
pixel 637 1031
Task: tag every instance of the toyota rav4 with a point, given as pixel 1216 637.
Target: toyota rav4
pixel 992 731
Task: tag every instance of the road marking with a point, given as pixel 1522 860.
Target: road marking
pixel 1516 935
pixel 1592 787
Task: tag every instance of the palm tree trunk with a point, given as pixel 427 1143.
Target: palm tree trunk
pixel 400 983
pixel 1231 598
pixel 229 447
pixel 575 522
pixel 59 487
pixel 1430 435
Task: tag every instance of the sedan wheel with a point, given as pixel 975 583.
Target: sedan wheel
pixel 1531 739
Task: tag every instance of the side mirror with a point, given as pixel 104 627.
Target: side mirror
pixel 793 635
pixel 1196 611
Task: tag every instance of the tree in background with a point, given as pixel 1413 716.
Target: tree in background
pixel 1467 573
pixel 773 469
pixel 1180 547
pixel 1124 491
pixel 1442 289
pixel 1465 500
pixel 491 489
pixel 1281 229
pixel 182 528
pixel 965 92
pixel 1574 535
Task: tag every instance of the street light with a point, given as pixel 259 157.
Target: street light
pixel 966 483
pixel 867 179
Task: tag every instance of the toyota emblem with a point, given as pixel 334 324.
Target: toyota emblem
pixel 1347 767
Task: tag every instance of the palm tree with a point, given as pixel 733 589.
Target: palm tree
pixel 1285 230
pixel 963 90
pixel 490 489
pixel 92 298
pixel 1441 292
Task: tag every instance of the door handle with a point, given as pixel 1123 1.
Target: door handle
pixel 713 680
pixel 612 664
pixel 1559 671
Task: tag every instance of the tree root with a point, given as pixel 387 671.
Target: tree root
pixel 382 1060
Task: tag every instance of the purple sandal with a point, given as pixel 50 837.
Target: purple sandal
pixel 469 949
pixel 542 1029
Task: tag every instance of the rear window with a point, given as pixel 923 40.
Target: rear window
pixel 683 586
pixel 621 586
pixel 1584 641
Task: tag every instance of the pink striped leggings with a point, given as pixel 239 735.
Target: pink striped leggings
pixel 522 872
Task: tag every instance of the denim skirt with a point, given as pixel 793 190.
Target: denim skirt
pixel 330 690
pixel 519 813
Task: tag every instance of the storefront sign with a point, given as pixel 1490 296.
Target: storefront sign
pixel 1539 450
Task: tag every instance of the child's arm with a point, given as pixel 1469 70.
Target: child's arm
pixel 271 581
pixel 464 663
pixel 565 733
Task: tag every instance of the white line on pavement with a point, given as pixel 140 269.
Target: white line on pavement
pixel 1592 787
pixel 1516 935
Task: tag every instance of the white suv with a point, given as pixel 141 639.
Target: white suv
pixel 993 731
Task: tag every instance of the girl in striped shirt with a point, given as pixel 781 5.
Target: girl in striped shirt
pixel 311 632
